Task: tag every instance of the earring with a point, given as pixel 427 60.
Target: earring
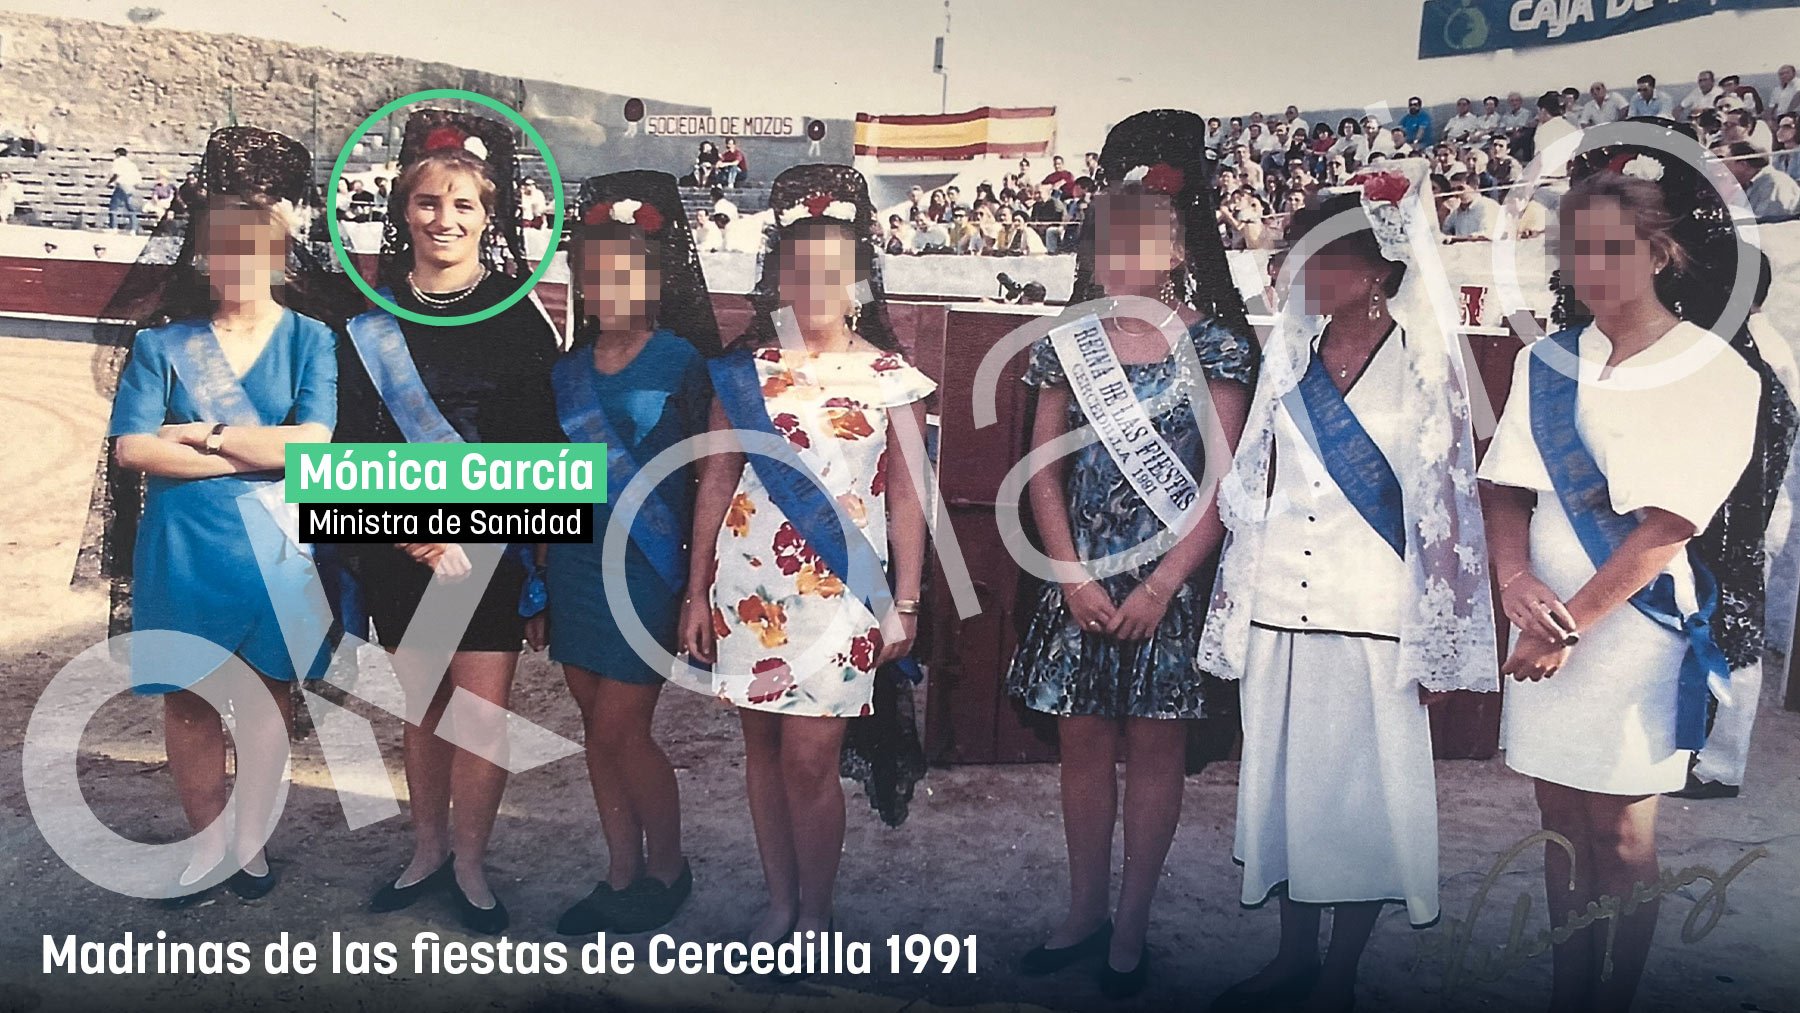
pixel 1168 294
pixel 200 266
pixel 1374 304
pixel 855 316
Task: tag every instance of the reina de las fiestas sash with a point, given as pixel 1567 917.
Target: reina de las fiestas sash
pixel 1124 428
pixel 1582 489
pixel 216 391
pixel 381 347
pixel 798 495
pixel 1349 454
pixel 658 530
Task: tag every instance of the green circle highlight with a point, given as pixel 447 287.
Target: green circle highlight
pixel 337 238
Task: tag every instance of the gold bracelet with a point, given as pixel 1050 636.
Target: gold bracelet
pixel 1508 581
pixel 1150 589
pixel 906 606
pixel 1078 587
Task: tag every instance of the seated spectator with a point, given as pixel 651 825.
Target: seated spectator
pixel 1248 170
pixel 1047 214
pixel 341 201
pixel 722 205
pixel 1351 146
pixel 362 202
pixel 10 195
pixel 1019 239
pixel 1444 160
pixel 1786 156
pixel 953 197
pixel 938 209
pixel 534 207
pixel 1445 198
pixel 1706 89
pixel 709 235
pixel 1376 139
pixel 930 236
pixel 1571 103
pixel 1474 217
pixel 961 229
pixel 1291 118
pixel 1730 84
pixel 162 196
pixel 745 233
pixel 1074 212
pixel 1517 117
pixel 1415 126
pixel 983 192
pixel 1091 167
pixel 1398 145
pixel 1773 196
pixel 1502 166
pixel 1336 171
pixel 1260 142
pixel 899 236
pixel 1319 148
pixel 1059 178
pixel 1215 135
pixel 1526 219
pixel 1463 125
pixel 1786 96
pixel 915 199
pixel 1649 101
pixel 190 194
pixel 1602 107
pixel 1487 123
pixel 1740 124
pixel 1475 164
pixel 733 166
pixel 1244 218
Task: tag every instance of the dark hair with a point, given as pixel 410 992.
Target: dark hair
pixel 1360 243
pixel 1550 102
pixel 1648 79
pixel 766 299
pixel 1747 153
pixel 614 232
pixel 1415 98
pixel 1572 90
pixel 1495 99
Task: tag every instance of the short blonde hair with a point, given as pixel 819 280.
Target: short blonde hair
pixel 454 161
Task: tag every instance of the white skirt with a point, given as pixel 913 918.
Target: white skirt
pixel 1605 722
pixel 1336 794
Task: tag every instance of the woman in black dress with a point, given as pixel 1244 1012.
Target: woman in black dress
pixel 490 382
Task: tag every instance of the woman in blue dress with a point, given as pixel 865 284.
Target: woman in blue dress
pixel 206 405
pixel 1111 647
pixel 636 381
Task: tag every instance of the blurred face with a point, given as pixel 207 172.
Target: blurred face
pixel 1645 89
pixel 618 285
pixel 1609 264
pixel 1706 81
pixel 1489 105
pixel 1255 130
pixel 1502 148
pixel 1598 91
pixel 245 253
pixel 1398 135
pixel 1371 127
pixel 1135 244
pixel 1228 181
pixel 1462 105
pixel 1336 283
pixel 1514 101
pixel 818 275
pixel 1412 105
pixel 1785 75
pixel 445 218
pixel 1785 131
pixel 961 217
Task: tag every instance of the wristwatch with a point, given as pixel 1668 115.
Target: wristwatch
pixel 215 439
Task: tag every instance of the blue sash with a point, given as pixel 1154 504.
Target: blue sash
pixel 818 517
pixel 1582 490
pixel 658 529
pixel 1350 455
pixel 381 346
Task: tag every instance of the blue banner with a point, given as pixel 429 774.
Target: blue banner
pixel 1460 27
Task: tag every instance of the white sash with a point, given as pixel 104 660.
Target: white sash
pixel 1104 392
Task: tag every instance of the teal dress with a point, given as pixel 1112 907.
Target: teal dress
pixel 661 398
pixel 195 566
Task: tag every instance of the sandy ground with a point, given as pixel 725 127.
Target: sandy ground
pixel 982 853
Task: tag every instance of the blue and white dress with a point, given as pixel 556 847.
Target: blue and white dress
pixel 195 567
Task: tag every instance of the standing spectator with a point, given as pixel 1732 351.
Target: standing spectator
pixel 1488 123
pixel 122 206
pixel 1518 116
pixel 1700 99
pixel 1786 96
pixel 722 204
pixel 1786 156
pixel 1091 164
pixel 190 194
pixel 1552 127
pixel 1648 101
pixel 10 193
pixel 1461 126
pixel 733 166
pixel 1047 212
pixel 1602 107
pixel 534 209
pixel 1415 126
pixel 1773 196
pixel 1059 178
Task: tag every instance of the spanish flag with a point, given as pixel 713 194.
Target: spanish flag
pixel 952 136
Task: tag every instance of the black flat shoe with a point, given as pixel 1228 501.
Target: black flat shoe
pixel 597 912
pixel 394 898
pixel 249 886
pixel 1125 984
pixel 1243 997
pixel 484 921
pixel 650 903
pixel 1042 960
pixel 1698 790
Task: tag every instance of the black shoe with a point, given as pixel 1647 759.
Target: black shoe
pixel 194 896
pixel 1289 990
pixel 484 921
pixel 650 903
pixel 1042 960
pixel 1125 984
pixel 1699 790
pixel 393 898
pixel 597 912
pixel 249 886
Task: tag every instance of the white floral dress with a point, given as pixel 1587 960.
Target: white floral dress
pixel 791 638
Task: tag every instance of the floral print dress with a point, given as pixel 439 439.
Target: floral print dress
pixel 1061 669
pixel 791 638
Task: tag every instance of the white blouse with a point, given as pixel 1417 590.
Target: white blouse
pixel 1672 427
pixel 1324 568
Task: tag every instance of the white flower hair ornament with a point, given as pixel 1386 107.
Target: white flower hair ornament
pixel 1641 167
pixel 817 205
